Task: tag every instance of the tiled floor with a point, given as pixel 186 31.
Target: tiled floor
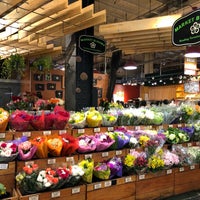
pixel 195 195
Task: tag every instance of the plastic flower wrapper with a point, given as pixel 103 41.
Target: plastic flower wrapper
pixel 102 171
pixel 70 144
pixel 26 150
pixel 189 130
pixel 121 139
pixel 175 136
pixel 124 118
pixel 42 149
pixel 77 120
pixel 185 158
pixel 103 141
pixel 49 120
pixel 38 121
pixel 54 144
pixel 87 143
pixel 170 159
pixel 156 162
pixel 19 120
pixel 186 112
pixel 75 177
pixel 128 164
pixel 194 153
pixel 61 117
pixel 158 118
pixel 196 135
pixel 115 165
pixel 108 119
pixel 41 104
pixel 141 163
pixel 27 180
pixel 87 166
pixel 93 118
pixel 4 118
pixel 8 151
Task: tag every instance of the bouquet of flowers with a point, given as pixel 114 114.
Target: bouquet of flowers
pixel 156 162
pixel 41 104
pixel 8 151
pixel 49 120
pixel 42 148
pixel 61 117
pixel 26 150
pixel 196 135
pixel 170 159
pixel 186 112
pixel 115 166
pixel 87 143
pixel 194 153
pixel 189 130
pixel 128 164
pixel 38 121
pixel 4 117
pixel 141 163
pixel 27 180
pixel 70 144
pixel 108 119
pixel 175 135
pixel 102 171
pixel 103 141
pixel 78 120
pixel 75 176
pixel 93 118
pixel 19 120
pixel 121 139
pixel 54 144
pixel 87 166
pixel 125 117
pixel 184 157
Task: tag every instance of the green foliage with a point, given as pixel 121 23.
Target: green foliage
pixel 13 67
pixel 45 63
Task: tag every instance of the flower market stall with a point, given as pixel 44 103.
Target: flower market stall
pixel 142 153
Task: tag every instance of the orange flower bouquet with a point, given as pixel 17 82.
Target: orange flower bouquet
pixel 55 145
pixel 41 144
pixel 4 117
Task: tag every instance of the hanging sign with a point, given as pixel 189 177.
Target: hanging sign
pixel 186 30
pixel 190 66
pixel 92 44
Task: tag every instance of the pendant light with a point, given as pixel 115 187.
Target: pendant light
pixel 130 65
pixel 192 52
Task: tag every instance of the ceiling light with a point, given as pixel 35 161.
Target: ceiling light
pixel 192 52
pixel 130 65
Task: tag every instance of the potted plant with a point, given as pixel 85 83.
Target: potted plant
pixel 13 67
pixel 42 64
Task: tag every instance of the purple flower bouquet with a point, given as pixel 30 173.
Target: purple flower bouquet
pixel 102 171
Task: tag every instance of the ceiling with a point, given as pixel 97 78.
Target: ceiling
pixel 35 27
pixel 133 26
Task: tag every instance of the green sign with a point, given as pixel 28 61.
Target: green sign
pixel 186 30
pixel 92 44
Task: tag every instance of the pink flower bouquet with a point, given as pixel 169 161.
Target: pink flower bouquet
pixel 87 143
pixel 103 141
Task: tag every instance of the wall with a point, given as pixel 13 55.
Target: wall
pixel 126 92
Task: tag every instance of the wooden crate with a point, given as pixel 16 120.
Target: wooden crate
pixel 33 134
pixel 116 189
pixel 6 136
pixel 155 185
pixel 73 193
pixel 14 196
pixel 47 162
pixel 187 179
pixel 90 131
pixel 101 156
